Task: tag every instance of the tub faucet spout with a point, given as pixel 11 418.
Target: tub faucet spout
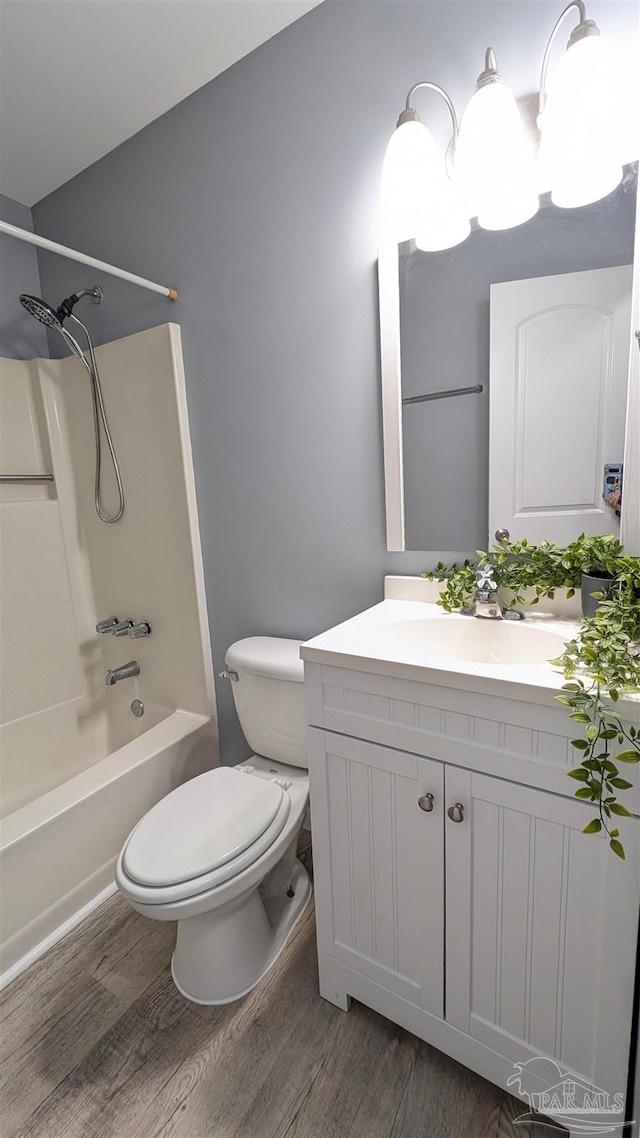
pixel 124 672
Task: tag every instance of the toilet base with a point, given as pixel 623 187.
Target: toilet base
pixel 219 957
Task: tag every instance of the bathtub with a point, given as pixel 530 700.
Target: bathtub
pixel 57 853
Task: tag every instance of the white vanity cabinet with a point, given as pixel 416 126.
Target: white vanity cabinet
pixel 455 890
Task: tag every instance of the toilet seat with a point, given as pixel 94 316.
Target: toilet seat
pixel 202 834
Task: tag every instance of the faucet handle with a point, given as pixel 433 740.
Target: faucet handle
pixel 122 628
pixel 486 577
pixel 107 625
pixel 138 630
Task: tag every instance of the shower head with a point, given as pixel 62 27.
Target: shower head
pixel 53 317
pixel 41 310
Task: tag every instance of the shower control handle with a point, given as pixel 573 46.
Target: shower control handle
pixel 107 625
pixel 122 628
pixel 138 630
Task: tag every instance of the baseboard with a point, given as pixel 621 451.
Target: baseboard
pixel 58 933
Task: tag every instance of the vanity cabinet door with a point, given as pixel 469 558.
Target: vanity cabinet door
pixel 541 928
pixel 378 819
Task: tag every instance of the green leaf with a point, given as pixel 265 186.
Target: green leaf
pixel 579 774
pixel 580 717
pixel 617 848
pixel 618 808
pixel 591 765
pixel 582 745
pixel 584 792
pixel 594 827
pixel 621 784
pixel 628 757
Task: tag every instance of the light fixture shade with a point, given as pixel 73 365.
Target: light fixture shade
pixel 410 164
pixel 583 144
pixel 492 162
pixel 445 222
pixel 418 199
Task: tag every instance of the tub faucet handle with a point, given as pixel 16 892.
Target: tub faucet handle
pixel 107 625
pixel 122 628
pixel 141 629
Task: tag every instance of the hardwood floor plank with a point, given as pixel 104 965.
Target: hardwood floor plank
pixel 115 945
pixel 443 1099
pixel 379 1106
pixel 510 1110
pixel 30 997
pixel 135 1056
pixel 57 1011
pixel 353 1053
pixel 40 1062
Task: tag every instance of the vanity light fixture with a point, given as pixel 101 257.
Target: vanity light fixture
pixel 581 149
pixel 419 199
pixel 488 171
pixel 492 160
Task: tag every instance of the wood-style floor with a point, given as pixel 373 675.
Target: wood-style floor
pixel 97 1041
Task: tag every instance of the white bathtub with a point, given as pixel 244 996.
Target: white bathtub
pixel 57 853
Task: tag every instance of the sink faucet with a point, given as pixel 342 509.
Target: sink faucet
pixel 122 673
pixel 486 603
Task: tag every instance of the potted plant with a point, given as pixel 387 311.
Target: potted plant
pixel 602 661
pixel 596 558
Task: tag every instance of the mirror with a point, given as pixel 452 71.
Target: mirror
pixel 505 368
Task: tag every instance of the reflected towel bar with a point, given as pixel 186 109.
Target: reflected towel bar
pixel 26 477
pixel 475 390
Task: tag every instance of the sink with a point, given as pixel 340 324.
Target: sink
pixel 472 640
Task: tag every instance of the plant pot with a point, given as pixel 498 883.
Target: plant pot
pixel 593 583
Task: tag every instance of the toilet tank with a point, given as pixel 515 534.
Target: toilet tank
pixel 269 697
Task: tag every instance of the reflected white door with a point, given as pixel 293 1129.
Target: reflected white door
pixel 559 367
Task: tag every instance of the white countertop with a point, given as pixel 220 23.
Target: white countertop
pixel 364 643
pixel 368 643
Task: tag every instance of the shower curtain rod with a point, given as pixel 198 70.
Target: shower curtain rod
pixel 74 255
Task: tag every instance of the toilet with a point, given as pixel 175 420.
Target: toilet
pixel 218 854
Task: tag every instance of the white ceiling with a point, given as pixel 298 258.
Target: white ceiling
pixel 81 76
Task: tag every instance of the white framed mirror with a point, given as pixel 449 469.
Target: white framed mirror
pixel 510 380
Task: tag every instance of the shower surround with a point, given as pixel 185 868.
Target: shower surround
pixel 79 768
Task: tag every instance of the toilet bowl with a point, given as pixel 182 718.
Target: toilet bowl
pixel 218 854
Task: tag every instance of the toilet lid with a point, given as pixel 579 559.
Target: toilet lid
pixel 200 826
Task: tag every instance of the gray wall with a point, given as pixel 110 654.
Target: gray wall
pixel 21 337
pixel 257 197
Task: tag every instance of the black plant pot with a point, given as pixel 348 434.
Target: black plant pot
pixel 593 583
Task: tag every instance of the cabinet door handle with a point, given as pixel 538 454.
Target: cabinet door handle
pixel 425 802
pixel 456 812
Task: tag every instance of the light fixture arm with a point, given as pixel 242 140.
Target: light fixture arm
pixel 410 114
pixel 583 28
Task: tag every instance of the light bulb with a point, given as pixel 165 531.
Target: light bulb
pixel 492 160
pixel 583 140
pixel 445 223
pixel 410 163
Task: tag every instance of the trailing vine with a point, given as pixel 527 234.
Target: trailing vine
pixel 600 664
